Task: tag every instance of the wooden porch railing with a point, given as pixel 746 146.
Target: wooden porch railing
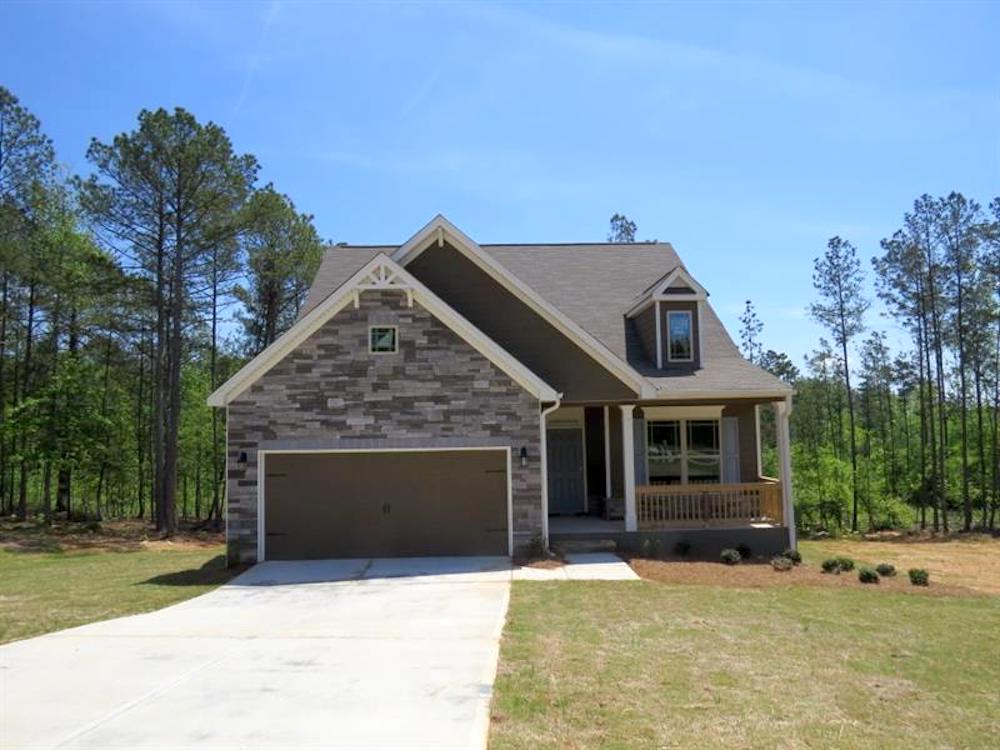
pixel 688 506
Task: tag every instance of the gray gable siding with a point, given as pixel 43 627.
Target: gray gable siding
pixel 329 392
pixel 516 327
pixel 645 328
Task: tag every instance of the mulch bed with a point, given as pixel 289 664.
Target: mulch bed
pixel 758 575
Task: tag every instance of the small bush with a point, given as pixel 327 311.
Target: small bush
pixel 535 548
pixel 782 563
pixel 919 576
pixel 744 550
pixel 730 557
pixel 886 570
pixel 793 554
pixel 831 565
pixel 867 575
pixel 845 564
pixel 682 548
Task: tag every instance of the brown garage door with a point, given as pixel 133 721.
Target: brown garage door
pixel 385 504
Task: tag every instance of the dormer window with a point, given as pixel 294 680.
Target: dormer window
pixel 668 318
pixel 680 346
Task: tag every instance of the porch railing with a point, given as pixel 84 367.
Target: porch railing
pixel 680 506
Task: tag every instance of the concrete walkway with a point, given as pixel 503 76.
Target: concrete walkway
pixel 318 654
pixel 583 566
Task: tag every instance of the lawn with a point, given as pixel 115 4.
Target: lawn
pixel 49 582
pixel 665 665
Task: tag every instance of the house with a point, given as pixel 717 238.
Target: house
pixel 443 397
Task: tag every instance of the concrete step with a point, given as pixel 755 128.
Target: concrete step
pixel 578 546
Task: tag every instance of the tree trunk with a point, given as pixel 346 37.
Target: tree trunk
pixel 22 494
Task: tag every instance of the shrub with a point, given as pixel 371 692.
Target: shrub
pixel 782 563
pixel 730 556
pixel 682 548
pixel 886 570
pixel 535 548
pixel 744 550
pixel 831 565
pixel 845 564
pixel 919 576
pixel 793 554
pixel 867 575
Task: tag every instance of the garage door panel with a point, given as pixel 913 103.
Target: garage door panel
pixel 380 504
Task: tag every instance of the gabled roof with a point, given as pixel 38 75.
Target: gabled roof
pixel 439 230
pixel 383 274
pixel 666 288
pixel 592 285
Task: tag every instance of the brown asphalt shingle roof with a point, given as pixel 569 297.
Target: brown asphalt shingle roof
pixel 594 285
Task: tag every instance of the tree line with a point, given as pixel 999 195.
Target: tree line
pixel 908 438
pixel 126 296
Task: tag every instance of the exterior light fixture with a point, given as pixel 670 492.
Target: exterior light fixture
pixel 243 458
pixel 524 456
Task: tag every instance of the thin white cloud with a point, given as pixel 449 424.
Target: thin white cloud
pixel 269 20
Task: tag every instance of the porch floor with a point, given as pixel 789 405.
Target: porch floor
pixel 596 525
pixel 584 525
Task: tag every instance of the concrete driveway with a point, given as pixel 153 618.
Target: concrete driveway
pixel 326 654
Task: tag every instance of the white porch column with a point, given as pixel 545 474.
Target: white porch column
pixel 628 457
pixel 607 452
pixel 782 410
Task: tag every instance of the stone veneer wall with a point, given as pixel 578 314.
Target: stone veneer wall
pixel 436 390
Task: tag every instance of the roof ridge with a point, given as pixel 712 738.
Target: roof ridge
pixel 645 243
pixel 569 244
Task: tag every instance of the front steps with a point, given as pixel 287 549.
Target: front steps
pixel 564 547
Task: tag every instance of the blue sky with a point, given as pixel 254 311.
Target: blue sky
pixel 745 134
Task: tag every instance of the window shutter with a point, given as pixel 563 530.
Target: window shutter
pixel 639 442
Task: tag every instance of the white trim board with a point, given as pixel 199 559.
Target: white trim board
pixel 659 292
pixel 439 229
pixel 262 476
pixel 380 273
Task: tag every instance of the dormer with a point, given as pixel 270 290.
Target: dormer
pixel 668 317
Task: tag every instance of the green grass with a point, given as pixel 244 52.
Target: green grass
pixel 635 665
pixel 51 590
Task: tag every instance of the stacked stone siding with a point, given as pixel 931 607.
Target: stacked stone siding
pixel 436 390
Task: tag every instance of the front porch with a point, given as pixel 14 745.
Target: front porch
pixel 693 506
pixel 666 474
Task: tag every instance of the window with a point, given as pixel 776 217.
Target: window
pixel 382 339
pixel 664 452
pixel 683 451
pixel 679 336
pixel 704 459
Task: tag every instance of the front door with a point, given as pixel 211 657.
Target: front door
pixel 565 469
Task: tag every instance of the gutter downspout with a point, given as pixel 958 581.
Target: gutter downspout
pixel 543 450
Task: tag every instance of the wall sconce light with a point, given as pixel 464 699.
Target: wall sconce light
pixel 524 456
pixel 243 458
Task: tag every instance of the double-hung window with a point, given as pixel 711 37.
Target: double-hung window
pixel 683 451
pixel 680 336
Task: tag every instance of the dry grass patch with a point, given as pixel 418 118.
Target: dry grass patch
pixel 960 561
pixel 130 535
pixel 637 665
